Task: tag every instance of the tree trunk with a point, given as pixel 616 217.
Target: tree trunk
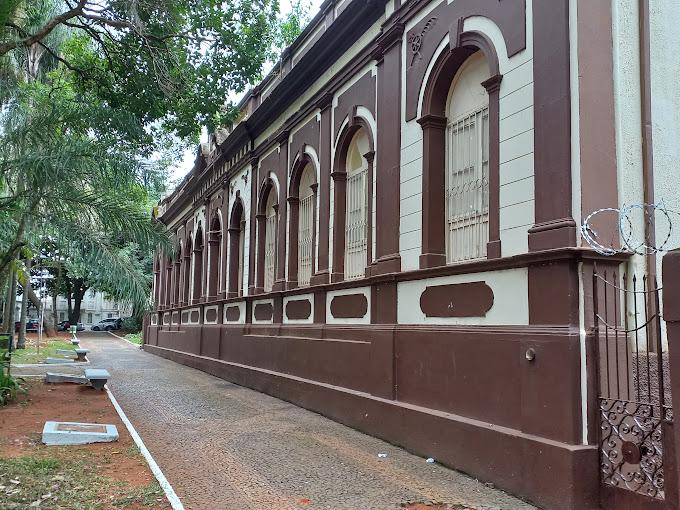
pixel 6 312
pixel 78 293
pixel 55 319
pixel 11 303
pixel 47 323
pixel 21 341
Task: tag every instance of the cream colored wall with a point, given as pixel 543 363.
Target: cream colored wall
pixel 665 93
pixel 516 147
pixel 510 304
pixel 366 319
pixel 665 99
pixel 308 320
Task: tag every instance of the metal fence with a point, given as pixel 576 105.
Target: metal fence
pixel 634 382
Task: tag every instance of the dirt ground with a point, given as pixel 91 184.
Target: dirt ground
pixel 124 480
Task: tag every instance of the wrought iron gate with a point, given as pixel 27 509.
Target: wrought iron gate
pixel 634 383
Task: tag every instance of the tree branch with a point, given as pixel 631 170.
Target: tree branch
pixel 45 30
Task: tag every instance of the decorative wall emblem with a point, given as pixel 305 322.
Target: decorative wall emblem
pixel 415 40
pixel 472 299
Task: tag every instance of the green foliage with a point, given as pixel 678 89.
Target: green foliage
pixel 134 325
pixel 168 61
pixel 10 387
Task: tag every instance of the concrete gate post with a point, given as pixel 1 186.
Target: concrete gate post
pixel 671 315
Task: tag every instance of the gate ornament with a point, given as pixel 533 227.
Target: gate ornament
pixel 632 449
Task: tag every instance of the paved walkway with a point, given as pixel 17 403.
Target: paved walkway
pixel 225 447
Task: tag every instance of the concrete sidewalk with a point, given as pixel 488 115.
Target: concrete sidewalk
pixel 225 447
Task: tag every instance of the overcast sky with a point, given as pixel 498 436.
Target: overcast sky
pixel 182 168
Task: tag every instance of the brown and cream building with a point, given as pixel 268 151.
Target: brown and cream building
pixel 389 234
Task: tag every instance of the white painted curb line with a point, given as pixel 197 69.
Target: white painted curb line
pixel 125 339
pixel 165 485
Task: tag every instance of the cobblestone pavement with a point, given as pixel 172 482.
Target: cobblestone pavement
pixel 225 447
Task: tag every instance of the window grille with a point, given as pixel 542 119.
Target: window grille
pixel 241 253
pixel 356 225
pixel 467 187
pixel 270 249
pixel 305 239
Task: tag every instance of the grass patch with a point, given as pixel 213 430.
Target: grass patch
pixel 56 483
pixel 135 338
pixel 147 496
pixel 48 349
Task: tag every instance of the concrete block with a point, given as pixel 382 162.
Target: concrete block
pixel 75 341
pixel 70 433
pixel 82 354
pixel 97 377
pixel 51 377
pixel 54 361
pixel 67 352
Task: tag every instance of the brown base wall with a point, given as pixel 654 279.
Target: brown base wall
pixel 354 383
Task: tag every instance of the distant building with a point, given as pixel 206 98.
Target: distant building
pixel 95 307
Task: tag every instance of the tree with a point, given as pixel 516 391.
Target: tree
pixel 170 61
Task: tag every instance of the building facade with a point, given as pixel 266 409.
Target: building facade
pixel 94 307
pixel 389 235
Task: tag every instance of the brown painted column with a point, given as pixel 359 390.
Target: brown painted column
pixel 388 162
pixel 434 177
pixel 168 284
pixel 157 287
pixel 339 198
pixel 234 255
pixel 204 264
pixel 555 226
pixel 280 276
pixel 177 270
pixel 671 314
pixel 261 220
pixel 187 279
pixel 294 217
pixel 493 87
pixel 223 289
pixel 322 272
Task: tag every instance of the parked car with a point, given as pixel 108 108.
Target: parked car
pixel 31 325
pixel 107 325
pixel 66 325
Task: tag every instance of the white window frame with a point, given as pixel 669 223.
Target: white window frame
pixel 467 186
pixel 270 237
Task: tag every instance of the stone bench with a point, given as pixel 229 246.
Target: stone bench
pixel 97 377
pixel 79 353
pixel 58 361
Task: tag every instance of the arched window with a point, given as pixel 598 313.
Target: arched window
pixel 271 226
pixel 306 224
pixel 168 281
pixel 467 163
pixel 214 255
pixel 177 276
pixel 186 270
pixel 461 160
pixel 356 206
pixel 157 282
pixel 197 289
pixel 236 248
pixel 302 227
